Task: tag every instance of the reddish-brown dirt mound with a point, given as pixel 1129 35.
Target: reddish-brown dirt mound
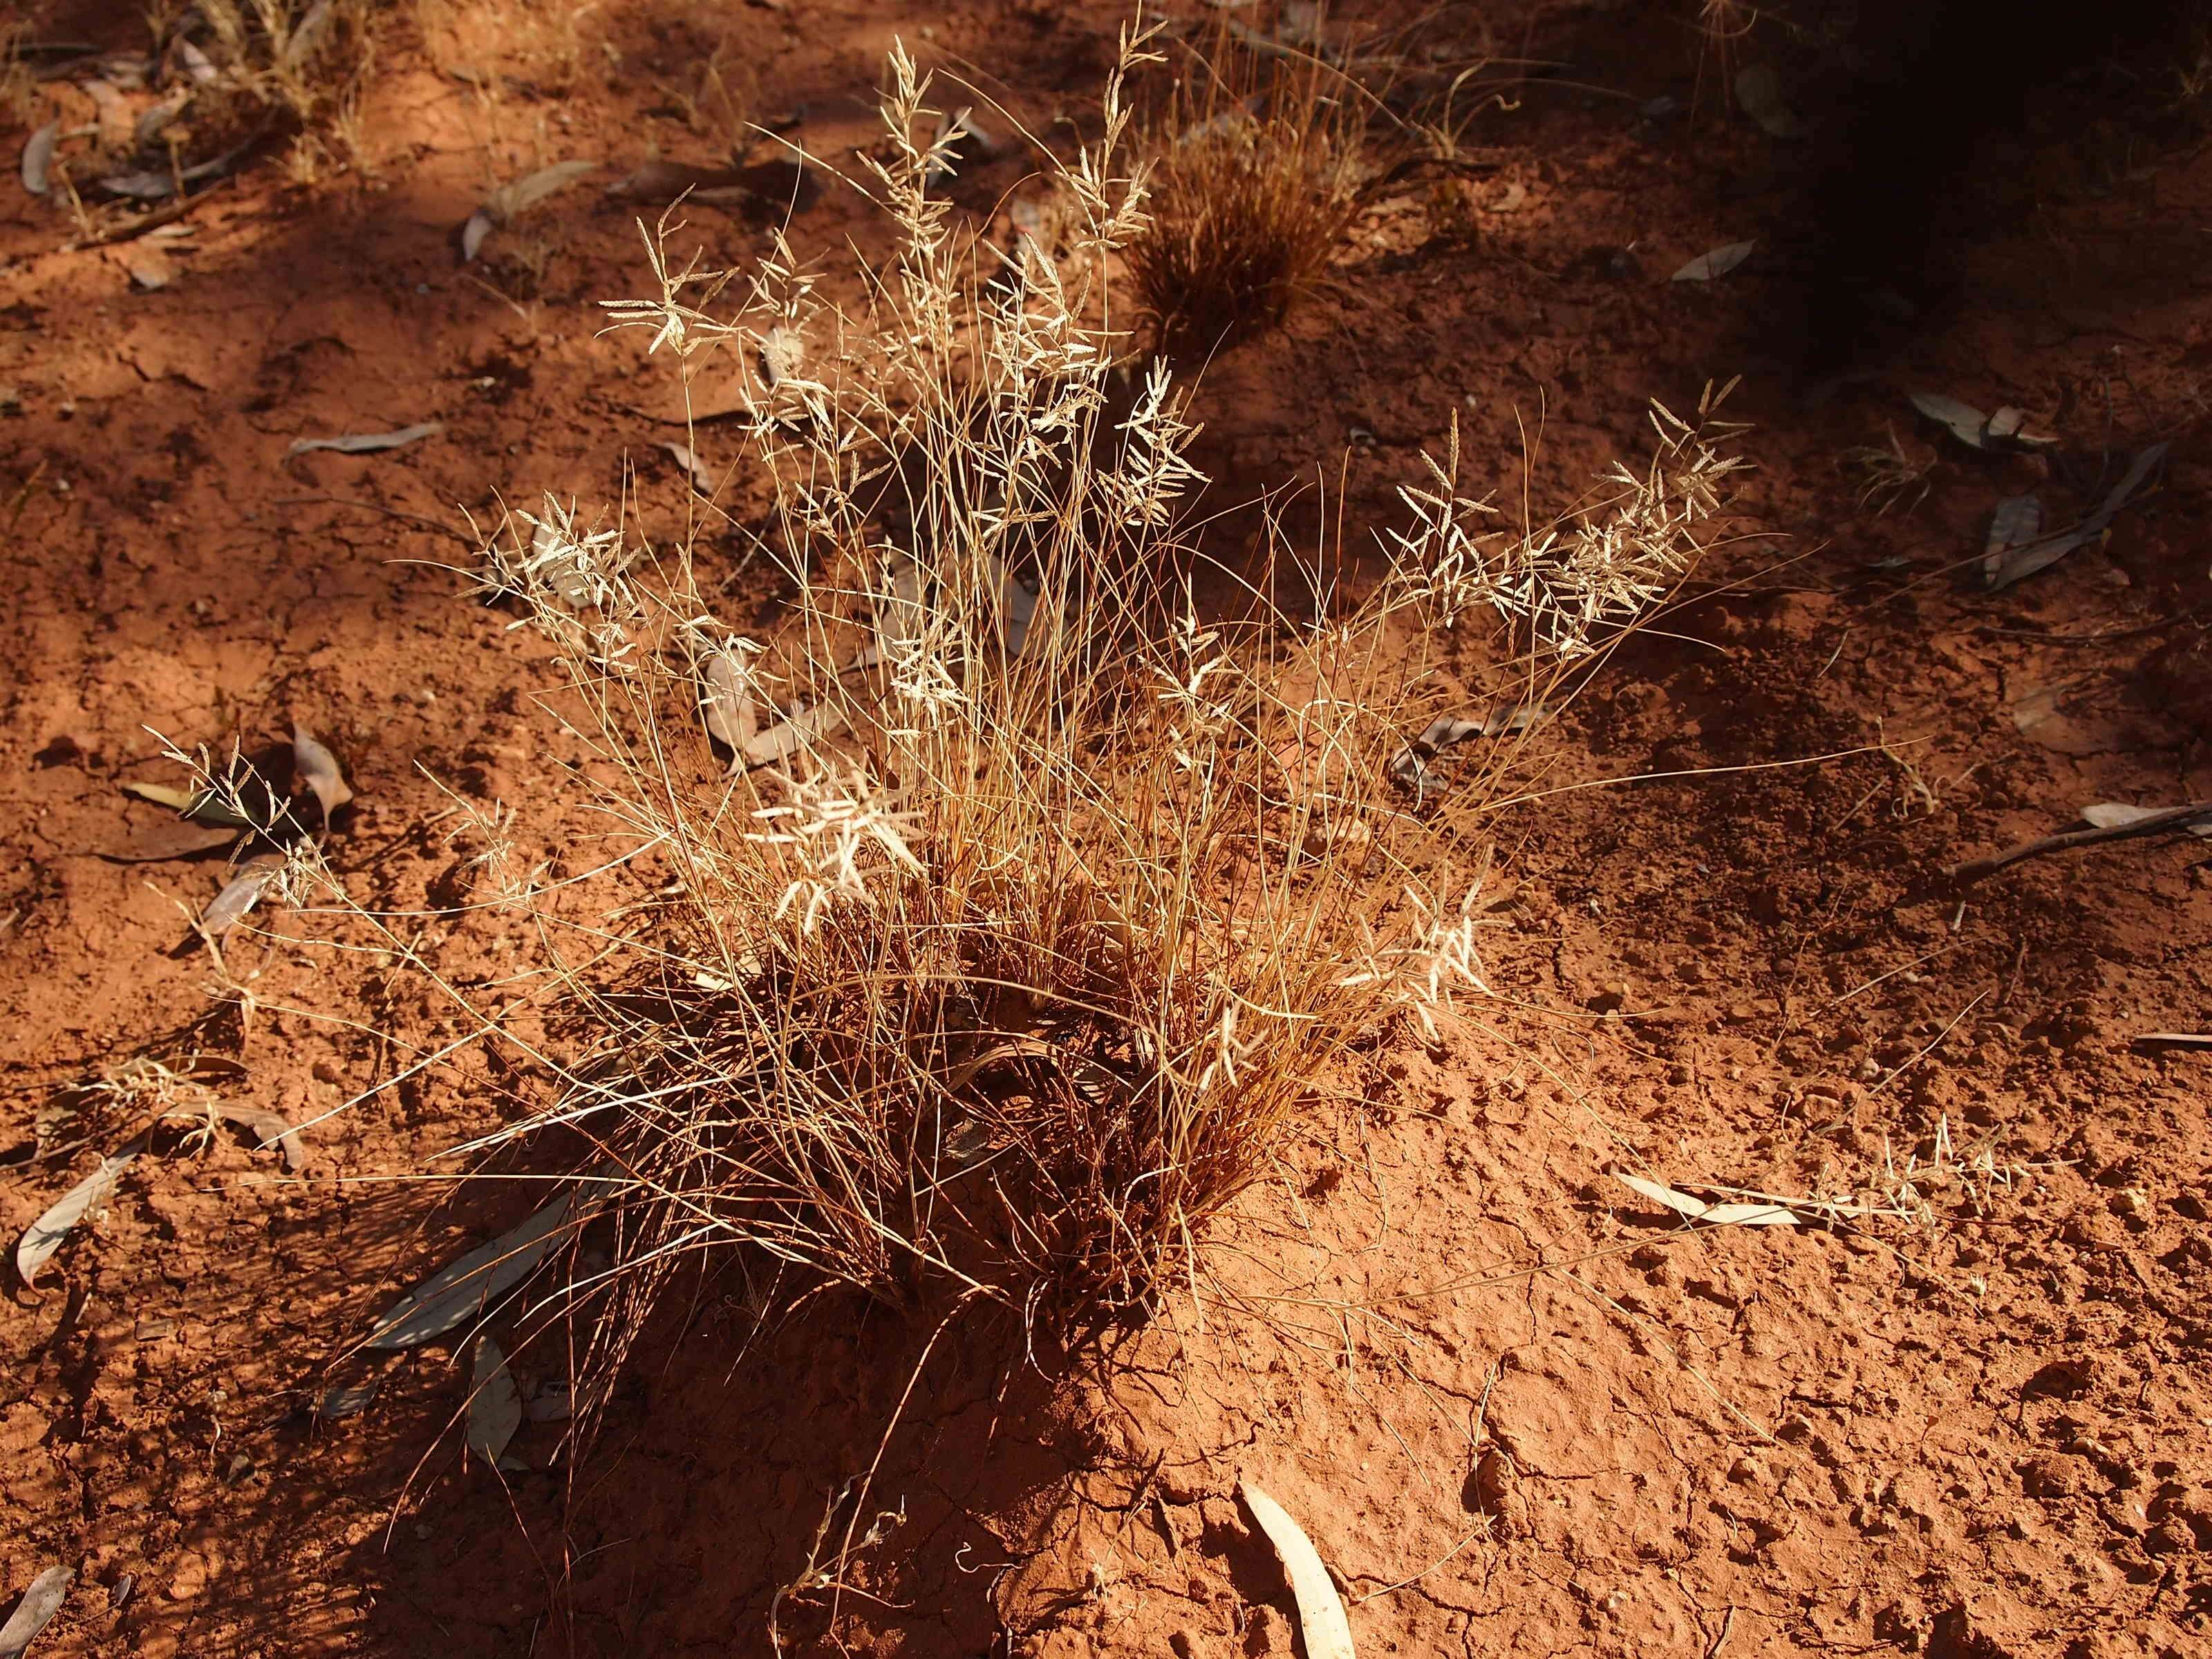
pixel 1517 1408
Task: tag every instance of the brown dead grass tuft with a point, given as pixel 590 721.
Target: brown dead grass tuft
pixel 1254 180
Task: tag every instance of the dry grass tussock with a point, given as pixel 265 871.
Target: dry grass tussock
pixel 1254 178
pixel 993 913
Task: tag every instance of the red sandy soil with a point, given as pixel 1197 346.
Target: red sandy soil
pixel 1517 1411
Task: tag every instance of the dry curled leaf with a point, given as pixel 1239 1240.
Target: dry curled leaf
pixel 321 770
pixel 37 163
pixel 2114 815
pixel 480 225
pixel 35 1611
pixel 44 1236
pixel 365 443
pixel 1718 1215
pixel 1321 1622
pixel 240 894
pixel 199 805
pixel 701 477
pixel 343 1399
pixel 1758 91
pixel 2039 555
pixel 726 701
pixel 273 1128
pixel 799 731
pixel 1716 261
pixel 495 1403
pixel 525 193
pixel 468 1286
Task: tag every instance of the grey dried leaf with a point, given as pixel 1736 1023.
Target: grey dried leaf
pixel 2022 562
pixel 550 1401
pixel 1965 422
pixel 1759 91
pixel 365 443
pixel 37 163
pixel 320 768
pixel 273 1128
pixel 142 185
pixel 35 1611
pixel 1716 261
pixel 343 1399
pixel 2114 815
pixel 725 702
pixel 1666 1197
pixel 44 1236
pixel 702 479
pixel 306 34
pixel 1322 1620
pixel 1749 1215
pixel 782 355
pixel 240 894
pixel 510 200
pixel 480 226
pixel 799 731
pixel 151 270
pixel 466 1288
pixel 197 64
pixel 2015 521
pixel 495 1403
pixel 199 806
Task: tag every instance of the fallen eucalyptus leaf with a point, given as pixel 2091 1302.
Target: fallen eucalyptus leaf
pixel 1748 1215
pixel 35 1611
pixel 197 64
pixel 320 768
pixel 2015 521
pixel 1717 261
pixel 495 1403
pixel 274 1130
pixel 37 163
pixel 2025 561
pixel 240 894
pixel 1321 1622
pixel 140 186
pixel 1758 91
pixel 2112 815
pixel 150 268
pixel 787 737
pixel 468 1286
pixel 1717 1215
pixel 702 480
pixel 510 200
pixel 301 43
pixel 725 702
pixel 782 355
pixel 550 1402
pixel 480 225
pixel 343 1399
pixel 1965 422
pixel 1680 1203
pixel 43 1237
pixel 365 443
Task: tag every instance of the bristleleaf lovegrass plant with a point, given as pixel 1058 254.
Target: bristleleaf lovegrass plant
pixel 976 929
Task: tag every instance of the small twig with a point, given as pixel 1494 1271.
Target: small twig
pixel 1728 1624
pixel 2174 818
